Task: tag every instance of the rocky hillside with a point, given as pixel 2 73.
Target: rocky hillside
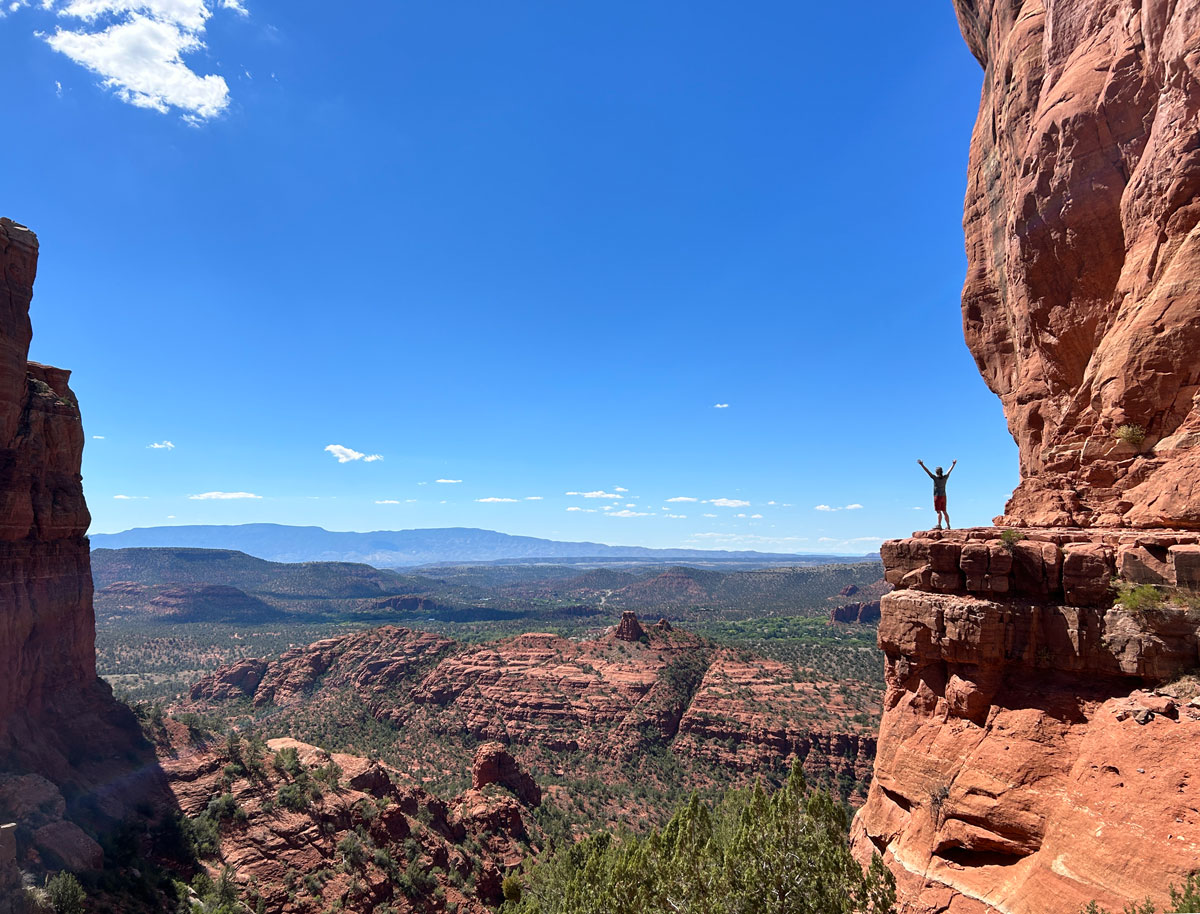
pixel 636 691
pixel 1080 302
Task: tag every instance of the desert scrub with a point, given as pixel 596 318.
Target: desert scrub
pixel 1139 598
pixel 1009 538
pixel 1131 434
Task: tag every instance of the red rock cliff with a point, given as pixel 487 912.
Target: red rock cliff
pixel 1081 304
pixel 47 631
pixel 68 753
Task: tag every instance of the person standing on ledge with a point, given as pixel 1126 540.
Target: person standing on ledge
pixel 939 491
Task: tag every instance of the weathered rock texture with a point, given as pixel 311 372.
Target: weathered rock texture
pixel 1082 303
pixel 59 725
pixel 1032 757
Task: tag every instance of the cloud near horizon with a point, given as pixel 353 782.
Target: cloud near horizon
pixel 348 454
pixel 854 507
pixel 222 496
pixel 137 48
pixel 729 503
pixel 494 500
pixel 599 493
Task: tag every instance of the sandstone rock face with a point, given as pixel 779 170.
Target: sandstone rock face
pixel 493 765
pixel 855 612
pixel 629 628
pixel 62 737
pixel 1030 756
pixel 1081 305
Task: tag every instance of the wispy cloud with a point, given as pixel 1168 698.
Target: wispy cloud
pixel 98 437
pixel 710 515
pixel 599 493
pixel 387 501
pixel 533 498
pixel 494 500
pixel 161 446
pixel 720 406
pixel 729 503
pixel 676 516
pixel 138 49
pixel 625 512
pixel 681 498
pixel 619 489
pixel 348 454
pixel 222 496
pixel 584 510
pixel 131 497
pixel 854 507
pixel 448 482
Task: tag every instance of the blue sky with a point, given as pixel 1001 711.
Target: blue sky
pixel 526 246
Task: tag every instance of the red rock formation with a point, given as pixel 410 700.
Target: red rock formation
pixel 493 765
pixel 58 722
pixel 542 695
pixel 1026 762
pixel 351 840
pixel 855 612
pixel 1080 304
pixel 629 629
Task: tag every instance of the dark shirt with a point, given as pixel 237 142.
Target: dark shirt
pixel 939 483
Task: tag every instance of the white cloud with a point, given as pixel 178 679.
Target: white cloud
pixel 584 510
pixel 730 503
pixel 770 503
pixel 347 454
pixel 533 498
pixel 494 500
pixel 98 437
pixel 58 89
pixel 625 512
pixel 161 445
pixel 710 515
pixel 139 52
pixel 387 501
pixel 448 482
pixel 619 489
pixel 756 517
pixel 222 496
pixel 676 516
pixel 681 498
pixel 599 493
pixel 720 406
pixel 918 509
pixel 131 497
pixel 854 507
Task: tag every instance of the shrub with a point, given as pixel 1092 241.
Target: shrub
pixel 511 888
pixel 293 797
pixel 1010 537
pixel 1131 434
pixel 65 893
pixel 1139 597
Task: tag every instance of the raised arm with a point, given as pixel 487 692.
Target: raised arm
pixel 953 464
pixel 925 468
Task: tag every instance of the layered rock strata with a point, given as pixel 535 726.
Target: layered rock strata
pixel 62 737
pixel 1081 304
pixel 1038 747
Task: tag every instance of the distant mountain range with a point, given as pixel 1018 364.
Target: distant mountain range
pixel 407 548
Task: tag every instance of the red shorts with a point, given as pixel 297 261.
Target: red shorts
pixel 939 503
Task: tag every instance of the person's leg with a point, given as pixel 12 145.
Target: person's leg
pixel 947 513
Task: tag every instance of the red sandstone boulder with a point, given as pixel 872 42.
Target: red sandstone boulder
pixel 494 765
pixel 629 629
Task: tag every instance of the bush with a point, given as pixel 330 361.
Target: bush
pixel 1131 434
pixel 511 888
pixel 1139 597
pixel 65 893
pixel 1009 538
pixel 293 797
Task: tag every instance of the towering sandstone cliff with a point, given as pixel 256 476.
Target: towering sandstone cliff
pixel 68 752
pixel 1082 300
pixel 1040 745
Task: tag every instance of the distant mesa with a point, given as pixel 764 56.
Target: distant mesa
pixel 861 613
pixel 849 590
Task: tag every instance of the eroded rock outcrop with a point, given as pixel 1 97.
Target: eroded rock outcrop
pixel 1031 756
pixel 1081 303
pixel 58 722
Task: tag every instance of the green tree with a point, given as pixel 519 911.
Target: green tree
pixel 755 853
pixel 65 893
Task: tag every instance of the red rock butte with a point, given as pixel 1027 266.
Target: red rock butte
pixel 1081 304
pixel 1039 739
